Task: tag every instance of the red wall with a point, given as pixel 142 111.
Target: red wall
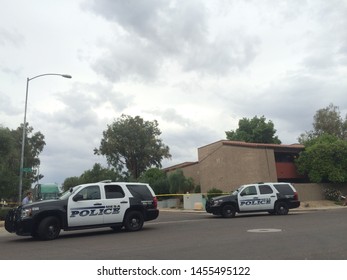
pixel 287 170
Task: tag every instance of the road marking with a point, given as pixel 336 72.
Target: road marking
pixel 264 230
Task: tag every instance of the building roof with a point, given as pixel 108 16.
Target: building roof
pixel 258 145
pixel 180 165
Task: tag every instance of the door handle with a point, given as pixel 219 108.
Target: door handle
pixel 95 204
pixel 123 202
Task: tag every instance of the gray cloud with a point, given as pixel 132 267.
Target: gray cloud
pixel 7 106
pixel 290 103
pixel 185 141
pixel 183 135
pixel 219 57
pixel 12 38
pixel 327 40
pixel 168 24
pixel 195 66
pixel 127 59
pixel 170 115
pixel 158 32
pixel 76 129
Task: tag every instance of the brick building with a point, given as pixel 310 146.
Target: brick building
pixel 228 164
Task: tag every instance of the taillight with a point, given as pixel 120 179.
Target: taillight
pixel 155 202
pixel 296 196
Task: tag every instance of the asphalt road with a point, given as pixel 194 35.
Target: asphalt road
pixel 197 236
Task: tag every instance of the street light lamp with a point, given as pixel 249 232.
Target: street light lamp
pixel 24 129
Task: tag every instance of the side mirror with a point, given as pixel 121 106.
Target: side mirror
pixel 77 197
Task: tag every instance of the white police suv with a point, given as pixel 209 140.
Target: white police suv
pixel 275 198
pixel 103 204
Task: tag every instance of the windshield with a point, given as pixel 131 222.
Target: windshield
pixel 69 192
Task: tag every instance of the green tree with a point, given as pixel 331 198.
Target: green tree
pixel 157 179
pixel 33 147
pixel 326 121
pixel 6 144
pixel 179 183
pixel 324 159
pixel 9 165
pixel 176 180
pixel 10 151
pixel 188 185
pixel 96 174
pixel 71 182
pixel 256 130
pixel 133 144
pixel 99 173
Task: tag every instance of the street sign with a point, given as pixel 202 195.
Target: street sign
pixel 27 169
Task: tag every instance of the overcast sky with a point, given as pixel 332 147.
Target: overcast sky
pixel 196 67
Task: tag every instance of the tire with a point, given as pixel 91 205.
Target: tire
pixel 228 211
pixel 133 221
pixel 281 208
pixel 49 228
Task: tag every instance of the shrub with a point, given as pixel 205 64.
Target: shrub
pixel 214 192
pixel 197 189
pixel 332 194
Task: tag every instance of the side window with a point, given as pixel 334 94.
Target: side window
pixel 265 189
pixel 114 191
pixel 249 191
pixel 140 191
pixel 90 193
pixel 284 189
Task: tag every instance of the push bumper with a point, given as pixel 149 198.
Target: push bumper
pixel 14 224
pixel 212 209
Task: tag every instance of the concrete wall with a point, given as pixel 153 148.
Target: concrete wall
pixel 169 203
pixel 194 201
pixel 311 192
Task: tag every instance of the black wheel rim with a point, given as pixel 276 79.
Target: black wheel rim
pixel 228 212
pixel 134 222
pixel 52 231
pixel 282 209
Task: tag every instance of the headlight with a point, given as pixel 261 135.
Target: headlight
pixel 26 212
pixel 216 202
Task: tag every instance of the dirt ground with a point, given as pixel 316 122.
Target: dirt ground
pixel 318 204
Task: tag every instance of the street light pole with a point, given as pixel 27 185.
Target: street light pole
pixel 24 129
